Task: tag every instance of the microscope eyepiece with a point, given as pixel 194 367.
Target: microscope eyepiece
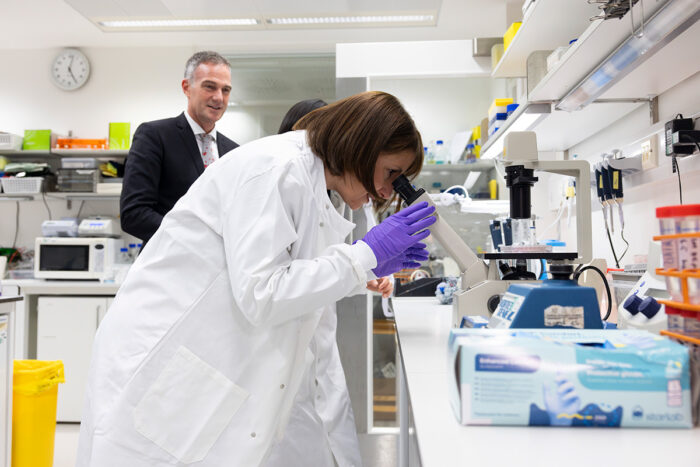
pixel 402 185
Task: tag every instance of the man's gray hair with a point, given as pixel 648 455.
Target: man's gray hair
pixel 205 56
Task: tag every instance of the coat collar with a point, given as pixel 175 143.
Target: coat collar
pixel 314 167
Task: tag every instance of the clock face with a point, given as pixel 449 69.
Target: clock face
pixel 70 69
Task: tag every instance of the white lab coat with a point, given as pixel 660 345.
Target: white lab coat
pixel 218 330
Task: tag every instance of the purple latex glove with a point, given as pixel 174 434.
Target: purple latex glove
pixel 406 260
pixel 398 232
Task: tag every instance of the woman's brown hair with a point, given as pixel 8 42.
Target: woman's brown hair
pixel 350 134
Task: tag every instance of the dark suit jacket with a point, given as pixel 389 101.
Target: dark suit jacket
pixel 164 160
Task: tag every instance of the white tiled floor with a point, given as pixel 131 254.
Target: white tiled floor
pixel 377 450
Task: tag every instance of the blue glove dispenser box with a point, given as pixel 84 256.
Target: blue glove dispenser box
pixel 568 377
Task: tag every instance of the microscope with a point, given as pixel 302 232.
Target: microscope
pixel 513 298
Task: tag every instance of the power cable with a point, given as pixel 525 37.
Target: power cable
pixel 14 242
pixel 605 281
pixel 43 197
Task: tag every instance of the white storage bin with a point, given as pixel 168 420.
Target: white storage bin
pixel 22 184
pixel 78 163
pixel 10 142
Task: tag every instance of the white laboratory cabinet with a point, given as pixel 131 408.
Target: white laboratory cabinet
pixel 7 307
pixel 66 329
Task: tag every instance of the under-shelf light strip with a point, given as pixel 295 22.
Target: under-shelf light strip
pixel 666 24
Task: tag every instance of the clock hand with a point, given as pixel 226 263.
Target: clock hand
pixel 71 74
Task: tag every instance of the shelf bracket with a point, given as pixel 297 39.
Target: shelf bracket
pixel 654 110
pixel 651 101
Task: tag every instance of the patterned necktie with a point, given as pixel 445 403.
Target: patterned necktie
pixel 207 156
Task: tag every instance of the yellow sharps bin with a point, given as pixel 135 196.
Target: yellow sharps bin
pixel 34 396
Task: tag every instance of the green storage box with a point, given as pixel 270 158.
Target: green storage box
pixel 119 135
pixel 37 140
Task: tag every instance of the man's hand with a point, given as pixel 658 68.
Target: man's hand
pixel 383 285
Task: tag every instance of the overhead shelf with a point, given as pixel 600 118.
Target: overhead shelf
pixel 478 165
pixel 96 153
pixel 547 25
pixel 657 74
pixel 13 152
pixel 557 130
pixel 68 196
pixel 91 152
pixel 669 61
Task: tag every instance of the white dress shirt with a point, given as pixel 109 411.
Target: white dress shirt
pixel 197 130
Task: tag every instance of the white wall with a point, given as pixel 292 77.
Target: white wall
pixel 646 191
pixel 126 84
pixel 419 58
pixel 440 106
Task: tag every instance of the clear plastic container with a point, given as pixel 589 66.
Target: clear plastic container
pixel 691 325
pixel 133 251
pixel 674 287
pixel 440 152
pixel 681 253
pixel 123 257
pixel 694 287
pixel 674 319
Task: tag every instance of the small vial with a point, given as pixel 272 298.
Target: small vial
pixel 133 252
pixel 124 256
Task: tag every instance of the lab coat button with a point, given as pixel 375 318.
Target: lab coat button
pixel 252 435
pixel 327 206
pixel 281 386
pixel 321 224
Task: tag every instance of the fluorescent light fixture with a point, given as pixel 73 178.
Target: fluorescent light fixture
pixel 178 23
pixel 525 118
pixel 670 21
pixel 358 19
pixel 232 104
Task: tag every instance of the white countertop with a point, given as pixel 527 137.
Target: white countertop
pixel 55 287
pixel 423 328
pixel 12 298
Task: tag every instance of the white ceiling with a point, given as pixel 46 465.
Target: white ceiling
pixel 37 24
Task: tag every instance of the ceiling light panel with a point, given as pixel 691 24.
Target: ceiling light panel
pixel 413 19
pixel 176 24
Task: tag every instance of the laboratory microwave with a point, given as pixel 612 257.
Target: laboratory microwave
pixel 74 257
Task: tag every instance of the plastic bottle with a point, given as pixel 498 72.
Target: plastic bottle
pixel 124 257
pixel 430 153
pixel 440 155
pixel 470 155
pixel 133 252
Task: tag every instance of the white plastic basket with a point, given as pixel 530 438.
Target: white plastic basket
pixel 22 184
pixel 10 142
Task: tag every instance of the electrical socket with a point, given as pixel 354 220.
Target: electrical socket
pixel 650 153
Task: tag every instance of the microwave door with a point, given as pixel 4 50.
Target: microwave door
pixel 74 258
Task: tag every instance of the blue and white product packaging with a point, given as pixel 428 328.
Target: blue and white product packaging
pixel 445 290
pixel 569 377
pixel 474 322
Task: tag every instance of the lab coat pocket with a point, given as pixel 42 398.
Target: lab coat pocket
pixel 187 407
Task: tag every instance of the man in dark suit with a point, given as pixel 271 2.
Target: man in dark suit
pixel 168 155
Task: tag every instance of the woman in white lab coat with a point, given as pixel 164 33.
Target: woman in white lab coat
pixel 217 331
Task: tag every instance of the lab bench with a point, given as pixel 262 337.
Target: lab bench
pixel 431 436
pixel 57 321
